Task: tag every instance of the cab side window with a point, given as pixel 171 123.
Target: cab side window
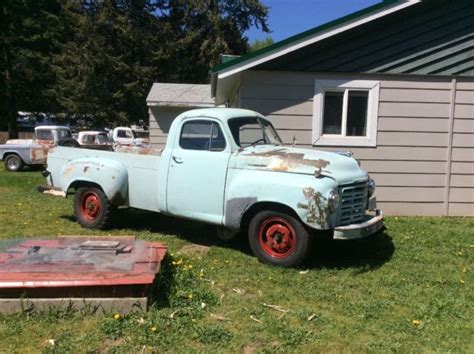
pixel 202 135
pixel 44 135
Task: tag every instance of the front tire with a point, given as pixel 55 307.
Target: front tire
pixel 278 239
pixel 91 207
pixel 14 163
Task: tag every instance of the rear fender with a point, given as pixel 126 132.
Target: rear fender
pixel 110 175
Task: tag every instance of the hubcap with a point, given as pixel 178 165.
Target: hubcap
pixel 90 205
pixel 13 163
pixel 277 237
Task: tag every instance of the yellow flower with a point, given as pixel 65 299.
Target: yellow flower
pixel 117 316
pixel 153 329
pixel 190 296
pixel 416 322
pixel 173 263
pixel 190 266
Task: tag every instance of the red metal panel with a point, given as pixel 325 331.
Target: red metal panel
pixel 64 262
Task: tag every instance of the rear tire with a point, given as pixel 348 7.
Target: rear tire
pixel 91 207
pixel 278 239
pixel 14 163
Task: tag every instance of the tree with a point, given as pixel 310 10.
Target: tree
pixel 97 59
pixel 104 69
pixel 204 29
pixel 26 33
pixel 260 43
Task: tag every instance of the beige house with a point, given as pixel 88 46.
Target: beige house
pixel 393 83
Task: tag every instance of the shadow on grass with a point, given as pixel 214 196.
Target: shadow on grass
pixel 365 254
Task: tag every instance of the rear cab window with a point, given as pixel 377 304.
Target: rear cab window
pixel 202 135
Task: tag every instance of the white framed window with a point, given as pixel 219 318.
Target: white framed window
pixel 345 112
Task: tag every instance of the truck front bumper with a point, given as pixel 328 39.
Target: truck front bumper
pixel 364 229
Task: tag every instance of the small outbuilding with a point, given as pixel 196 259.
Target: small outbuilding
pixel 166 101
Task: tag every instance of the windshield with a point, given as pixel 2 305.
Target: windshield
pixel 102 138
pixel 253 131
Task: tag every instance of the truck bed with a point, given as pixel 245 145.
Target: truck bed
pixel 141 164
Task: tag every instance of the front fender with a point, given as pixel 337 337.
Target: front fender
pixel 306 195
pixel 110 175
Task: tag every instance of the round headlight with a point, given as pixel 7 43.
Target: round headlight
pixel 371 187
pixel 334 199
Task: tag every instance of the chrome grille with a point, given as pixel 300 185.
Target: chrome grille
pixel 354 202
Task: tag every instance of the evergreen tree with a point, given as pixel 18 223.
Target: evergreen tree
pixel 26 42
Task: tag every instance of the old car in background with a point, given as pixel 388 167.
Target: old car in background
pixel 17 153
pixel 93 139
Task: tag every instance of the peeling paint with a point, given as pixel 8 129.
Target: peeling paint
pixel 318 211
pixel 285 161
pixel 139 150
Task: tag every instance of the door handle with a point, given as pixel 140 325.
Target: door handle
pixel 177 159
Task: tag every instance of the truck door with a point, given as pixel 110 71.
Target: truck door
pixel 197 171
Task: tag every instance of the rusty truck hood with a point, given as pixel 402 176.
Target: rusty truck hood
pixel 341 168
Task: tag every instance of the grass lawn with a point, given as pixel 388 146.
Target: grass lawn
pixel 407 289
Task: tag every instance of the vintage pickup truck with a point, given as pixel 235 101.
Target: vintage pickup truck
pixel 17 153
pixel 226 167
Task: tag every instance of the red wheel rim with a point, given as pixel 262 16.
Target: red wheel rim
pixel 277 237
pixel 90 205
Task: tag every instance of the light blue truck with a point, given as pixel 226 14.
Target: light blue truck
pixel 226 167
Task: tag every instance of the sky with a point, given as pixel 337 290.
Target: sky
pixel 290 17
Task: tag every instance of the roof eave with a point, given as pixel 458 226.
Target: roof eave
pixel 307 38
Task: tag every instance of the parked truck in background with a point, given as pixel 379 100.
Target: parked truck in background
pixel 17 153
pixel 226 167
pixel 129 136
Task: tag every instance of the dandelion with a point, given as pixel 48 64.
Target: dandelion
pixel 190 266
pixel 190 296
pixel 117 316
pixel 416 322
pixel 153 329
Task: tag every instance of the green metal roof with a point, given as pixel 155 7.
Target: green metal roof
pixel 364 12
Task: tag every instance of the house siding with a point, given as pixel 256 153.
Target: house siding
pixel 423 163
